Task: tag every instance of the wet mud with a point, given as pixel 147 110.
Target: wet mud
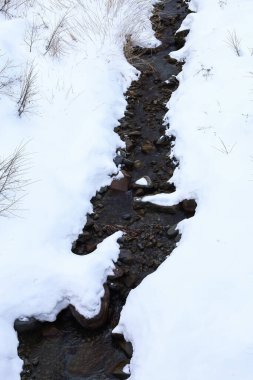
pixel 68 349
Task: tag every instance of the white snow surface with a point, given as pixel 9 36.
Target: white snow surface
pixel 142 182
pixel 68 148
pixel 192 318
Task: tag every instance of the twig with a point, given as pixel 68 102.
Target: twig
pixel 12 180
pixel 28 91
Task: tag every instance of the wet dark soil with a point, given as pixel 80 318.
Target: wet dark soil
pixel 64 349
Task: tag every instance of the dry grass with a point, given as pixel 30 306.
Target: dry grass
pixel 57 42
pixel 7 79
pixel 31 35
pixel 134 56
pixel 13 171
pixel 234 42
pixel 11 7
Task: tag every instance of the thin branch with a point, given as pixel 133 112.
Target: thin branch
pixel 13 170
pixel 28 91
pixel 234 42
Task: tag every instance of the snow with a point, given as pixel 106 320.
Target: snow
pixel 67 142
pixel 142 182
pixel 192 318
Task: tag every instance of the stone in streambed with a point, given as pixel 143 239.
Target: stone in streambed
pixel 118 370
pixel 144 182
pixel 172 232
pixel 126 216
pixel 26 324
pixel 117 273
pixel 148 147
pixel 163 141
pixel 100 319
pixel 126 256
pixel 121 184
pixel 189 205
pixel 130 280
pixel 138 164
pixel 126 347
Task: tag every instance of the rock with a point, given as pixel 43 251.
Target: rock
pixel 126 256
pixel 118 337
pixel 82 238
pixel 134 134
pixel 138 164
pixel 126 347
pixel 121 184
pixel 172 232
pixel 139 192
pixel 100 319
pixel 121 240
pixel 89 222
pixel 180 38
pixel 26 324
pixel 117 273
pixel 116 287
pixel 129 144
pixel 90 247
pixel 148 147
pixel 103 189
pixel 189 205
pixel 118 370
pixel 127 163
pixel 118 160
pixel 140 246
pixel 51 332
pixel 130 280
pixel 171 60
pixel 144 182
pixel 35 362
pixel 163 141
pixel 126 216
pixel 173 81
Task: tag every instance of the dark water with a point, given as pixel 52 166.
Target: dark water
pixel 64 349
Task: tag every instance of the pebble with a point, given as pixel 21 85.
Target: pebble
pixel 126 216
pixel 130 280
pixel 147 147
pixel 138 164
pixel 126 347
pixel 23 325
pixel 172 232
pixel 126 256
pixel 189 205
pixel 118 370
pixel 140 246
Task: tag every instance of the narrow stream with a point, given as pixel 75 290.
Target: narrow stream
pixel 65 349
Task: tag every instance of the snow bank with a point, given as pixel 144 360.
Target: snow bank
pixel 78 75
pixel 192 318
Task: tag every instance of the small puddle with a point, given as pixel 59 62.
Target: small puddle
pixel 64 349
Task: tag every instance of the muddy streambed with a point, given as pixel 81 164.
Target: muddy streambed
pixel 65 349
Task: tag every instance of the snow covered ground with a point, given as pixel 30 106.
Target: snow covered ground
pixel 67 59
pixel 192 318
